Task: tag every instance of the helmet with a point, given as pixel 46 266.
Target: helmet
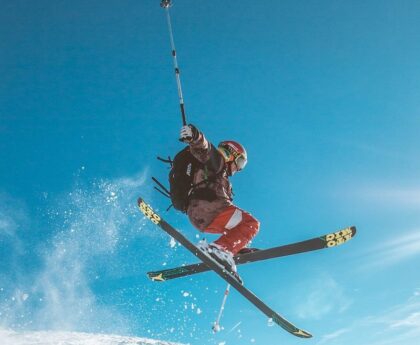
pixel 232 151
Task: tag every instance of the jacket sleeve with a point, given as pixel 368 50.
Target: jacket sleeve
pixel 207 154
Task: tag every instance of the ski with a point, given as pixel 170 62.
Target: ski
pixel 213 265
pixel 326 241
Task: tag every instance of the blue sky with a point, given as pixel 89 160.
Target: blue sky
pixel 323 96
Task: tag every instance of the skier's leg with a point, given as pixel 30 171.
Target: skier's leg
pixel 237 226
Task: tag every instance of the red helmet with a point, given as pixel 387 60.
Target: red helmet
pixel 232 151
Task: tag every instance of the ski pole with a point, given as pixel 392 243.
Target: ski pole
pixel 166 4
pixel 216 325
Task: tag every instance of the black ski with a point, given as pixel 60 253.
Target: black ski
pixel 326 241
pixel 277 318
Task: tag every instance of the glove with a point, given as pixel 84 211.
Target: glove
pixel 189 133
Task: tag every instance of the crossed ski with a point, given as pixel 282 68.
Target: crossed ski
pixel 326 241
pixel 208 263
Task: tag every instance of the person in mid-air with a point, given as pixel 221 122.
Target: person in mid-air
pixel 210 208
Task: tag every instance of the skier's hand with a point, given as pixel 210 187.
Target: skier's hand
pixel 189 133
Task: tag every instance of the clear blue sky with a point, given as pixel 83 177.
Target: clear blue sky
pixel 325 97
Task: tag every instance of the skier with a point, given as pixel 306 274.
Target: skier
pixel 210 208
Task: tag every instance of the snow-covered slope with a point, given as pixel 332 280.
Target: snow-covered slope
pixel 8 337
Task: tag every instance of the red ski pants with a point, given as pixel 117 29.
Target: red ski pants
pixel 237 226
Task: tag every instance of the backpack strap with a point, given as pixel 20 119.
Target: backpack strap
pixel 169 160
pixel 163 189
pixel 208 179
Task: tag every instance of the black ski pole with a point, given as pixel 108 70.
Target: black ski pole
pixel 166 4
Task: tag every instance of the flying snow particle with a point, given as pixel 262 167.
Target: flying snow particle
pixel 199 311
pixel 112 197
pixel 172 243
pixel 270 322
pixel 186 294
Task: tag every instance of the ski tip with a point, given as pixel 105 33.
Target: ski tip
pixel 339 237
pixel 352 231
pixel 148 211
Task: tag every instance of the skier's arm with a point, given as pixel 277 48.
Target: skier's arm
pixel 202 149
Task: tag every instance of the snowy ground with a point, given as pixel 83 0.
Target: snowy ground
pixel 8 337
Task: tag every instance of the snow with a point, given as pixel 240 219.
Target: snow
pixel 9 337
pixel 172 242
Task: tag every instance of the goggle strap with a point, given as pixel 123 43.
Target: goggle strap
pixel 225 153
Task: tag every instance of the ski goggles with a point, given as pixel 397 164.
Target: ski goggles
pixel 240 161
pixel 238 158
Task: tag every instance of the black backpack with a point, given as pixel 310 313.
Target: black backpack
pixel 181 175
pixel 184 165
pixel 181 186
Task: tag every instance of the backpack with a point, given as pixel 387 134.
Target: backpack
pixel 181 186
pixel 181 175
pixel 184 165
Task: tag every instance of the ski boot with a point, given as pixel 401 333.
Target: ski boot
pixel 221 256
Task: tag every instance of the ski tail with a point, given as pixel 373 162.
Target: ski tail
pixel 177 272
